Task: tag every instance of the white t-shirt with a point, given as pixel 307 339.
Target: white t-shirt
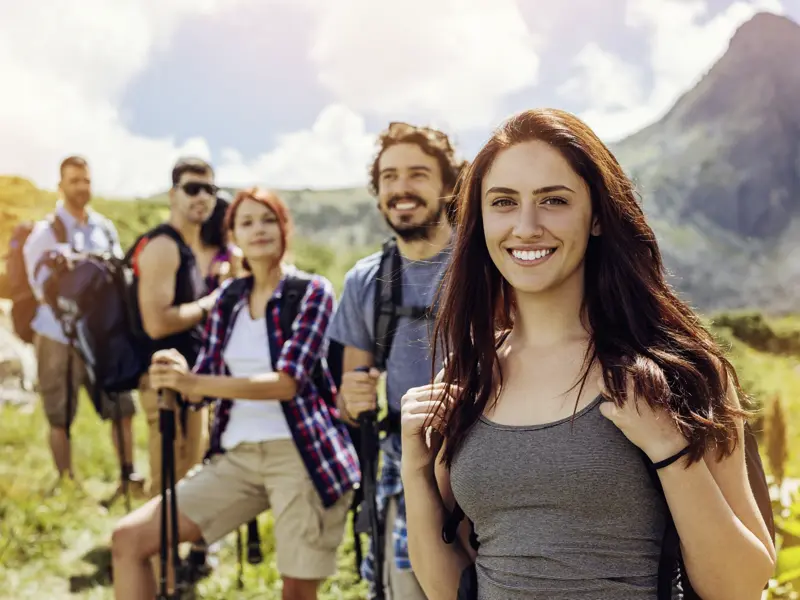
pixel 246 354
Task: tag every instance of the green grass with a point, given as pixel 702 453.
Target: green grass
pixel 51 543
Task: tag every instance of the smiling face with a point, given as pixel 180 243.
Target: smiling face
pixel 537 217
pixel 410 191
pixel 194 196
pixel 257 232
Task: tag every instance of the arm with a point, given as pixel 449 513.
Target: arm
pixel 719 524
pixel 158 266
pixel 269 386
pixel 294 366
pixel 349 327
pixel 40 241
pixel 437 566
pixel 207 378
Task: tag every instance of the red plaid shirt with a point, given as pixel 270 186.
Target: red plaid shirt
pixel 321 437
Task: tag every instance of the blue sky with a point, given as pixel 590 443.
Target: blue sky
pixel 290 93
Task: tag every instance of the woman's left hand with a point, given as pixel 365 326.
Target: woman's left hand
pixel 652 430
pixel 169 370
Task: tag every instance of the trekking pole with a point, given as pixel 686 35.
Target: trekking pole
pixel 370 443
pixel 240 558
pixel 168 500
pixel 70 399
pixel 121 441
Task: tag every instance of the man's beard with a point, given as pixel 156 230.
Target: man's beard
pixel 419 231
pixel 78 201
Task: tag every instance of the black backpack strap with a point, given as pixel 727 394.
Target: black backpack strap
pixel 672 582
pixel 229 297
pixel 388 297
pixel 294 289
pixel 389 303
pixel 758 479
pixel 450 528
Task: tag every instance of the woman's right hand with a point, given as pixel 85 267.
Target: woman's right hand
pixel 421 444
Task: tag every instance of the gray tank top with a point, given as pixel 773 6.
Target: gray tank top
pixel 563 511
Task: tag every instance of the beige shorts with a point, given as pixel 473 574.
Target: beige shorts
pixel 52 358
pixel 237 486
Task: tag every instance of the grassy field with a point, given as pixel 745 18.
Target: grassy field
pixel 56 545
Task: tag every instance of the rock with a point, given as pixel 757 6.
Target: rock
pixel 18 377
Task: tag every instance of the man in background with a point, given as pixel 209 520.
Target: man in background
pixel 413 177
pixel 73 227
pixel 174 303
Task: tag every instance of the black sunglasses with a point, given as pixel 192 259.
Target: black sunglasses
pixel 192 188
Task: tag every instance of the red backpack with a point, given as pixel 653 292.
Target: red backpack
pixel 23 302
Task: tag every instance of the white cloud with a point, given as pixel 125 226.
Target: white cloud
pixel 335 152
pixel 605 79
pixel 64 70
pixel 684 44
pixel 451 62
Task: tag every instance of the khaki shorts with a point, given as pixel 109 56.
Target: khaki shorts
pixel 235 487
pixel 52 358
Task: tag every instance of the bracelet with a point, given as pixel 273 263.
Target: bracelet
pixel 668 461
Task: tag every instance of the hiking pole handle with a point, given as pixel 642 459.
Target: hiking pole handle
pixel 368 416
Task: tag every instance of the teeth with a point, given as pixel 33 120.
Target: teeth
pixel 405 205
pixel 531 254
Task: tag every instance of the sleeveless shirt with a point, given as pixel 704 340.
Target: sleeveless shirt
pixel 563 510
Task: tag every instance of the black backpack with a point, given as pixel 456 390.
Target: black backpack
pixel 673 584
pixel 23 302
pixel 90 298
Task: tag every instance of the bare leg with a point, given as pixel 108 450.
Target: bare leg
pixel 127 440
pixel 62 455
pixel 299 589
pixel 135 540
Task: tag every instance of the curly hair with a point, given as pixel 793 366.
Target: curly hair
pixel 432 142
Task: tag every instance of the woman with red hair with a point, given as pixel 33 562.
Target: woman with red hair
pixel 277 443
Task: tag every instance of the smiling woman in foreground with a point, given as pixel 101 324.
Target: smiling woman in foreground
pixel 576 383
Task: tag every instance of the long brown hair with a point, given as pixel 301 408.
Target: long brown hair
pixel 639 327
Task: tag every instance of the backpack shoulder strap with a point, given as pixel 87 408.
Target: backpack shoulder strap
pixel 109 231
pixel 294 289
pixel 758 479
pixel 58 227
pixel 388 298
pixel 163 229
pixel 231 294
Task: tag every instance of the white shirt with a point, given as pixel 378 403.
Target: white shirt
pixel 246 354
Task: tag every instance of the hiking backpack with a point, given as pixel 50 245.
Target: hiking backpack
pixel 673 583
pixel 24 303
pixel 89 296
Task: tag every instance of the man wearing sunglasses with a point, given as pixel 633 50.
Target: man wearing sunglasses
pixel 174 303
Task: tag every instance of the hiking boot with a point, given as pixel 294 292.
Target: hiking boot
pixel 199 564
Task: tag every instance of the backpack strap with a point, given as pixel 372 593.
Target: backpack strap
pixel 450 528
pixel 294 290
pixel 389 303
pixel 230 296
pixel 672 582
pixel 58 227
pixel 388 296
